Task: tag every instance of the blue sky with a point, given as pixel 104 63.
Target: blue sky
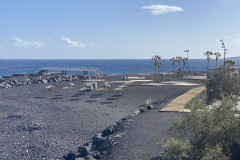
pixel 117 29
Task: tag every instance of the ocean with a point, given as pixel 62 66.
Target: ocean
pixel 106 66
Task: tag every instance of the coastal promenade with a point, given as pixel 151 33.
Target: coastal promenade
pixel 42 123
pixel 178 104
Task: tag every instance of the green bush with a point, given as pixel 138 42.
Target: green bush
pixel 223 83
pixel 204 133
pixel 176 149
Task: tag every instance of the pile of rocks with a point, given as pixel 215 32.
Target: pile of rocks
pixel 101 144
pixel 8 82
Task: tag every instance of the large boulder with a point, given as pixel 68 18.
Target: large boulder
pixel 83 151
pixel 98 140
pixel 149 107
pixel 110 130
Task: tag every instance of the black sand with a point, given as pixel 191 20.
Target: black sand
pixel 38 123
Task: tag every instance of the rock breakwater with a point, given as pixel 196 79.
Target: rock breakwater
pixel 25 79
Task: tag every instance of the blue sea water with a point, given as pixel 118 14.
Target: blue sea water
pixel 107 66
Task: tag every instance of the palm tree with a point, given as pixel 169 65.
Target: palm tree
pixel 217 57
pixel 179 59
pixel 158 64
pixel 230 63
pixel 184 60
pixel 173 62
pixel 155 58
pixel 208 54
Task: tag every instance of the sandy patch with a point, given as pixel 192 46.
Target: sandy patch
pixel 94 80
pixel 131 81
pixel 179 83
pixel 153 84
pixel 136 78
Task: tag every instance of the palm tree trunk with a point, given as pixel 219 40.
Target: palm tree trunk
pixel 216 63
pixel 155 72
pixel 158 72
pixel 173 69
pixel 178 73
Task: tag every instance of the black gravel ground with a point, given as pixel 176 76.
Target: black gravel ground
pixel 38 123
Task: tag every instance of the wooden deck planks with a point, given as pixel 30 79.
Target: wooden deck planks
pixel 178 103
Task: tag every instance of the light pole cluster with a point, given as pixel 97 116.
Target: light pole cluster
pixel 224 49
pixel 187 52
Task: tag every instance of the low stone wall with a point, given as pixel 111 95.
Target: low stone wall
pixel 28 80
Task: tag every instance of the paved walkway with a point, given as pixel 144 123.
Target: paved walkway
pixel 178 103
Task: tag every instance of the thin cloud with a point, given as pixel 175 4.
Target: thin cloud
pixel 235 41
pixel 73 43
pixel 92 44
pixel 162 9
pixel 232 39
pixel 20 43
pixel 227 36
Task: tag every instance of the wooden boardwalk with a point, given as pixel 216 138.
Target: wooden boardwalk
pixel 179 103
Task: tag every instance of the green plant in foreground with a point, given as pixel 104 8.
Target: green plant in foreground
pixel 204 133
pixel 223 83
pixel 176 149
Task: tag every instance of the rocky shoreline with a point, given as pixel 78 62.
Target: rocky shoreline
pixel 25 79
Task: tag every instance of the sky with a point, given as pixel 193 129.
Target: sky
pixel 117 29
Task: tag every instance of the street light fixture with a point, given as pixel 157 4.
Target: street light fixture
pixel 224 50
pixel 187 52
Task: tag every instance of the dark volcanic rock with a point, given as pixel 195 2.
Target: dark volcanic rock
pixel 9 82
pixel 109 130
pixel 149 107
pixel 83 151
pixel 98 141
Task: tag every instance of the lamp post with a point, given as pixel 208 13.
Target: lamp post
pixel 224 50
pixel 187 56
